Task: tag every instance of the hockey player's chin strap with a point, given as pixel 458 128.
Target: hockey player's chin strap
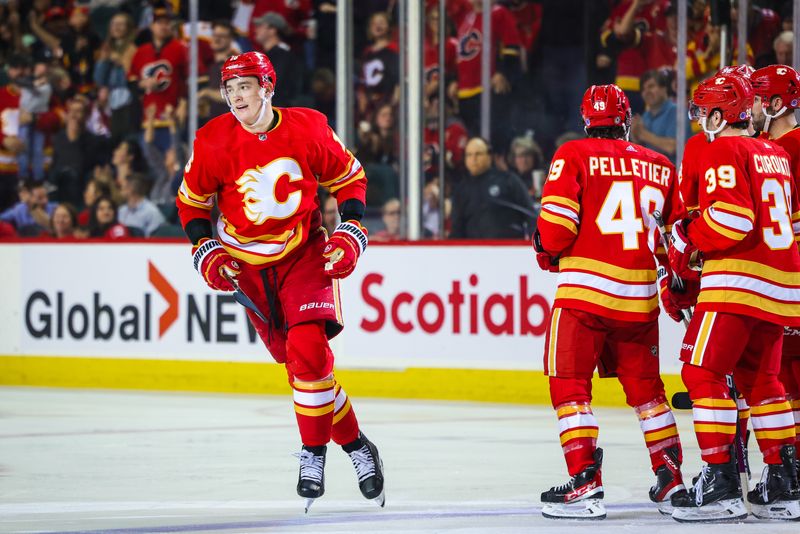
pixel 711 134
pixel 261 113
pixel 768 117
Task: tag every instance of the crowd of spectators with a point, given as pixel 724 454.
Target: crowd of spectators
pixel 93 99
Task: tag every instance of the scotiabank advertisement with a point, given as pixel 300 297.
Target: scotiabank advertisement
pixel 479 307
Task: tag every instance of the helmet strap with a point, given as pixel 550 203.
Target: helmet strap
pixel 769 117
pixel 264 103
pixel 711 134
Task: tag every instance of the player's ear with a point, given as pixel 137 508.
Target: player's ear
pixel 716 118
pixel 775 103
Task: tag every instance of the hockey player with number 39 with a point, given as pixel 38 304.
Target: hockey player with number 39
pixel 595 230
pixel 744 245
pixel 263 166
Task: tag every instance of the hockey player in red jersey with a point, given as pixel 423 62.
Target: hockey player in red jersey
pixel 744 244
pixel 595 230
pixel 263 166
pixel 689 180
pixel 777 95
pixel 688 176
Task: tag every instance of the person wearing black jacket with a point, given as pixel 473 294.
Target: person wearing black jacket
pixel 489 203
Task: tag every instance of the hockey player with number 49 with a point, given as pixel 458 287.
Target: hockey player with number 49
pixel 744 245
pixel 595 230
pixel 263 166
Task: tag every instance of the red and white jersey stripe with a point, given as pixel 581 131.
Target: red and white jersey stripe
pixel 596 215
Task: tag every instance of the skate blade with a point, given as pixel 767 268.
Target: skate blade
pixel 380 500
pixel 309 501
pixel 590 510
pixel 781 510
pixel 726 511
pixel 665 508
pixel 665 505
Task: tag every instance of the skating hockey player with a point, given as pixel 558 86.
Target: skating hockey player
pixel 745 245
pixel 595 230
pixel 262 166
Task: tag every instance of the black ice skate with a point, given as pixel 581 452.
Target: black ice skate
pixel 311 482
pixel 777 496
pixel 669 481
pixel 715 497
pixel 580 498
pixel 369 468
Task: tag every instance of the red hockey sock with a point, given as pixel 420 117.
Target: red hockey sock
pixel 660 430
pixel 773 425
pixel 309 362
pixel 715 413
pixel 313 406
pixel 345 424
pixel 578 432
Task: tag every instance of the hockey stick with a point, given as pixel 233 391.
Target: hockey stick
pixel 678 284
pixel 740 446
pixel 242 298
pixel 681 399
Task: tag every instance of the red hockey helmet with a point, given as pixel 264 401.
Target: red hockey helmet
pixel 777 80
pixel 605 105
pixel 745 71
pixel 249 64
pixel 732 95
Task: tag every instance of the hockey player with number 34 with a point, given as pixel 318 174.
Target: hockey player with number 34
pixel 744 246
pixel 262 166
pixel 595 230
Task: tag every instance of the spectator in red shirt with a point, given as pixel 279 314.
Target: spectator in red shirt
pixel 160 69
pixel 432 70
pixel 390 214
pixel 103 221
pixel 95 189
pixel 63 221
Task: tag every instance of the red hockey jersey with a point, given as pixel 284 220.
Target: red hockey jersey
pixel 790 142
pixel 266 185
pixel 689 172
pixel 596 208
pixel 170 66
pixel 747 200
pixel 505 42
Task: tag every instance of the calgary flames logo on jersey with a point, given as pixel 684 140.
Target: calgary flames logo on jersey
pixel 469 46
pixel 258 188
pixel 160 70
pixel 373 72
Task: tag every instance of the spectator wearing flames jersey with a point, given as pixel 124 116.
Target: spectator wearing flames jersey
pixel 380 64
pixel 263 166
pixel 777 96
pixel 745 247
pixel 432 70
pixel 159 69
pixel 628 22
pixel 594 230
pixel 507 64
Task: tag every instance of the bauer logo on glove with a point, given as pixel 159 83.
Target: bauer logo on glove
pixel 346 244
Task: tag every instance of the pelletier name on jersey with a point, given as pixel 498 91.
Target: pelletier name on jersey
pixel 612 166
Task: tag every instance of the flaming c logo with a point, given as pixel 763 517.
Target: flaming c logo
pixel 166 290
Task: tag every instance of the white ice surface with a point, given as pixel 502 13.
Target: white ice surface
pixel 109 461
